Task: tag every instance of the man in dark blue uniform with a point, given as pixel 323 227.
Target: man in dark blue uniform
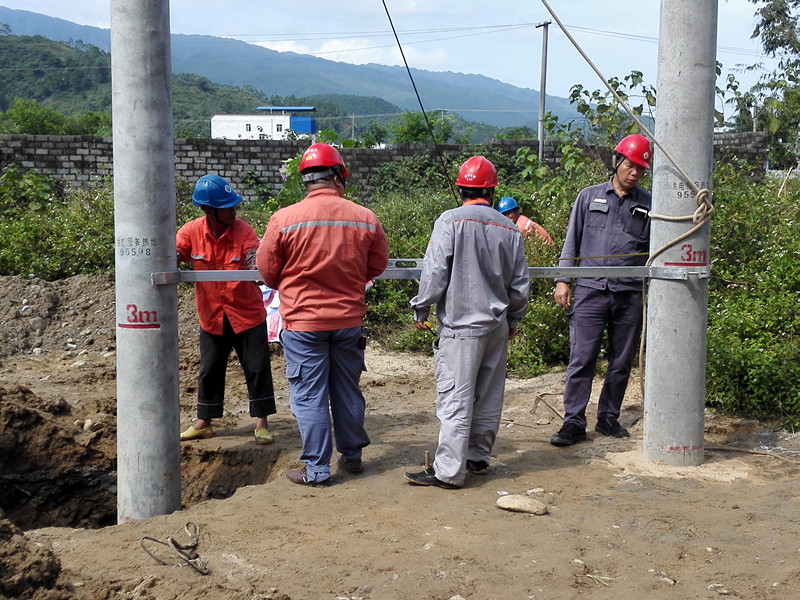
pixel 609 226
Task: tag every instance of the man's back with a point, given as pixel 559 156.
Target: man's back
pixel 486 276
pixel 319 253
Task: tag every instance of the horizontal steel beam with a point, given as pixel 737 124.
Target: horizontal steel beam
pixel 410 268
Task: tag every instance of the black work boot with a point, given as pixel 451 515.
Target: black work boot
pixel 568 434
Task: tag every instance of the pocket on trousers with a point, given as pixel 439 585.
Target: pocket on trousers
pixel 445 385
pixel 293 372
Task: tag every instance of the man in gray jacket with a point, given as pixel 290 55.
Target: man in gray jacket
pixel 609 226
pixel 474 271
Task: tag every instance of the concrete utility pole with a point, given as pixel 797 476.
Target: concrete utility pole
pixel 148 452
pixel 677 309
pixel 542 86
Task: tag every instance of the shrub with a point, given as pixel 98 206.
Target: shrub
pixel 753 365
pixel 50 235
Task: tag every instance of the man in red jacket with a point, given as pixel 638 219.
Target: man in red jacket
pixel 319 254
pixel 232 314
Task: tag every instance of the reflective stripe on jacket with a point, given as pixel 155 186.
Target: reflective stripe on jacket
pixel 319 254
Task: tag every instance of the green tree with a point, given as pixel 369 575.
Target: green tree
pixel 374 135
pixel 776 96
pixel 516 133
pixel 606 120
pixel 411 127
pixel 31 118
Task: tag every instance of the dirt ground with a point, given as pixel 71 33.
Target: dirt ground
pixel 617 527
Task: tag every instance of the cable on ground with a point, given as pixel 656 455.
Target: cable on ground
pixel 185 554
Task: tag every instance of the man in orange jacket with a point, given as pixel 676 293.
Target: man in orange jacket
pixel 319 254
pixel 232 314
pixel 509 208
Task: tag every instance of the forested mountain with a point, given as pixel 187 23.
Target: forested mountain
pixel 75 78
pixel 72 78
pixel 286 74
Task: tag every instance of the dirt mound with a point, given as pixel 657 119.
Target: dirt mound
pixel 53 471
pixel 27 569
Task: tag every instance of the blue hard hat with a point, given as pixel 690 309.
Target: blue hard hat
pixel 214 191
pixel 506 204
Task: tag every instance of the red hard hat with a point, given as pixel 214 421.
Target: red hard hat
pixel 322 155
pixel 477 172
pixel 637 148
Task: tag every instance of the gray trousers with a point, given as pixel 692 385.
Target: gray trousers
pixel 619 315
pixel 470 381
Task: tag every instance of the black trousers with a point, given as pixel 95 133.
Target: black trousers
pixel 252 350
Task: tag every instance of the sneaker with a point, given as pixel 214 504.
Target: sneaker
pixel 428 477
pixel 611 427
pixel 568 434
pixel 301 476
pixel 351 466
pixel 477 467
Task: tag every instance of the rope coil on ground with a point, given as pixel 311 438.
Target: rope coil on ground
pixel 183 553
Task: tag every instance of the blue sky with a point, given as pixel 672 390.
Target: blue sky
pixel 495 38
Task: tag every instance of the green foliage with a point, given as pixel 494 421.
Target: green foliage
pixel 412 127
pixel 195 99
pixel 408 219
pixel 53 72
pixel 410 174
pixel 516 133
pixel 374 135
pixel 389 318
pixel 30 118
pixel 75 79
pixel 51 235
pixel 776 98
pixel 23 192
pixel 605 117
pixel 754 298
pixel 543 336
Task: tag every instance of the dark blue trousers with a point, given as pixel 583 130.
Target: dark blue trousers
pixel 594 312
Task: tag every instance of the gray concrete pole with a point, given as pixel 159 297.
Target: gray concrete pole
pixel 675 364
pixel 542 90
pixel 148 452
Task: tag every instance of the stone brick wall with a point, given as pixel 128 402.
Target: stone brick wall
pixel 85 160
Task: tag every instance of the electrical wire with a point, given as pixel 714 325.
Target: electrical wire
pixel 442 159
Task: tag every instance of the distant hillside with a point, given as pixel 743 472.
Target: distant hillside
pixel 75 78
pixel 231 62
pixel 70 78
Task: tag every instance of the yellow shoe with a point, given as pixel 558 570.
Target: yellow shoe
pixel 263 436
pixel 197 434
